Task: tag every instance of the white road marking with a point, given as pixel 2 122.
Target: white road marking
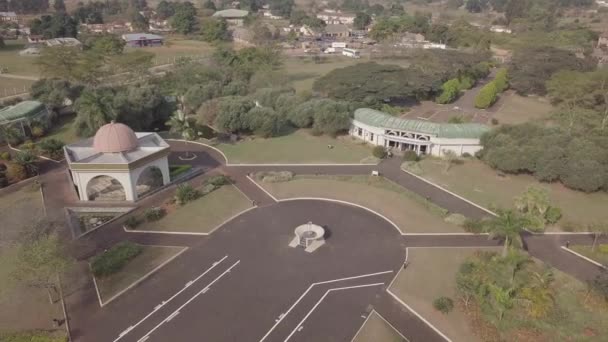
pixel 283 315
pixel 176 312
pixel 299 326
pixel 156 308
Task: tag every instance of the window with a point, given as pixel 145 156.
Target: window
pixel 359 131
pixel 371 137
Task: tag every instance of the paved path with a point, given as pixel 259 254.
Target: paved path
pixel 86 315
pixel 20 77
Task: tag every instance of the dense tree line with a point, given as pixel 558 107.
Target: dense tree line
pixel 371 84
pixel 54 26
pixel 532 66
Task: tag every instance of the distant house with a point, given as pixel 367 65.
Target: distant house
pixel 70 42
pixel 500 29
pixel 142 39
pixel 8 16
pixel 161 26
pixel 336 31
pixel 233 16
pixel 501 55
pixel 114 27
pixel 331 17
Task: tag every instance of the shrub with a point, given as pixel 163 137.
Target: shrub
pixel 410 155
pixel 28 145
pixel 37 131
pixel 275 176
pixel 486 96
pixel 553 214
pixel 16 172
pixel 379 152
pixel 450 91
pixel 473 226
pixel 132 222
pixel 114 259
pixel 455 219
pixel 466 83
pixel 52 147
pixel 501 80
pixel 154 214
pixel 186 193
pixel 443 304
pixel 494 121
pixel 467 155
pixel 219 180
pixel 5 156
pixel 208 188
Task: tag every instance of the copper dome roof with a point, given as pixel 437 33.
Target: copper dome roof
pixel 114 138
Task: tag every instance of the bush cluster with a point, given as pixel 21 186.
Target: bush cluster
pixel 450 91
pixel 132 222
pixel 114 259
pixel 410 155
pixel 379 152
pixel 219 180
pixel 154 214
pixel 274 176
pixel 486 96
pixel 443 304
pixel 550 154
pixel 3 177
pixel 186 193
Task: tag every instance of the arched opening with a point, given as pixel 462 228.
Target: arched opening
pixel 105 188
pixel 150 179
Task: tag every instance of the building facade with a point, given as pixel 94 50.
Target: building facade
pixel 118 164
pixel 142 39
pixel 399 135
pixel 234 17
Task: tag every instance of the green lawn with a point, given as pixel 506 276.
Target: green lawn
pixel 13 86
pixel 297 148
pixel 150 258
pixel 411 213
pixel 515 109
pixel 63 130
pixel 600 254
pixel 431 274
pixel 376 329
pixel 203 214
pixel 482 185
pixel 19 210
pixel 16 64
pixel 176 47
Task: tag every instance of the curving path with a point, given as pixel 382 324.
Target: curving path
pixel 261 278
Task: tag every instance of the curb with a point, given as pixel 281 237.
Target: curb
pixel 584 257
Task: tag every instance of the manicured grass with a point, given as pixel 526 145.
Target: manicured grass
pixel 19 210
pixel 16 64
pixel 479 183
pixel 600 254
pixel 515 109
pixel 177 47
pixel 376 329
pixel 63 130
pixel 177 170
pixel 411 213
pixel 150 258
pixel 34 336
pixel 204 214
pixel 298 148
pixel 431 273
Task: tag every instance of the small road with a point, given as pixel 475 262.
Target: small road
pixel 20 77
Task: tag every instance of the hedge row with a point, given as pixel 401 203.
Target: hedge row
pixel 114 259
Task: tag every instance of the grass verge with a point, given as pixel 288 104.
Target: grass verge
pixel 479 183
pixel 600 254
pixel 203 214
pixel 407 210
pixel 18 210
pixel 378 330
pixel 146 261
pixel 297 148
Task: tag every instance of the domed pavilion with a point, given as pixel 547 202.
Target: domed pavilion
pixel 118 164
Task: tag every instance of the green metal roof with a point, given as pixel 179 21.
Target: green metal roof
pixel 376 118
pixel 21 110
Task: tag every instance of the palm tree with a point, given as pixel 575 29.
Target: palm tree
pixel 539 294
pixel 516 261
pixel 94 108
pixel 28 160
pixel 507 226
pixel 502 298
pixel 9 133
pixel 180 124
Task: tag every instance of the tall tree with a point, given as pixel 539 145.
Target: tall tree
pixel 94 108
pixel 184 19
pixel 539 294
pixel 185 127
pixel 362 19
pixel 507 226
pixel 59 6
